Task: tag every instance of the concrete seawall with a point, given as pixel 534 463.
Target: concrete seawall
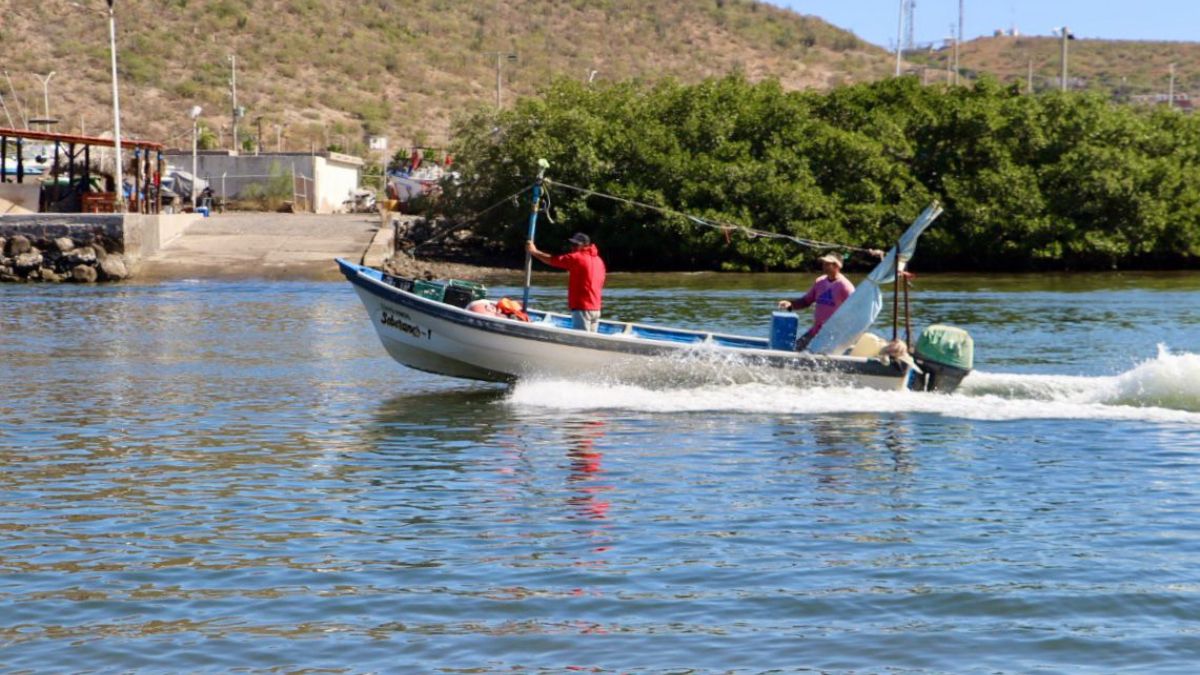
pixel 147 235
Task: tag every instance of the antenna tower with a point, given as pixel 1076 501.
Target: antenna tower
pixel 910 7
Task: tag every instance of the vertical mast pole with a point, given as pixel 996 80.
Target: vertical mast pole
pixel 533 214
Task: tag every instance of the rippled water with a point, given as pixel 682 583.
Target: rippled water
pixel 213 476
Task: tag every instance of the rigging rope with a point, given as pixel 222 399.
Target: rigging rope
pixel 461 224
pixel 724 227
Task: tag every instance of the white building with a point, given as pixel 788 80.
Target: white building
pixel 320 182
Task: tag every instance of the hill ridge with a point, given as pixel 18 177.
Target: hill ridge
pixel 319 73
pixel 322 73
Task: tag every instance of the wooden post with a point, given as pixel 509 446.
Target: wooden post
pixel 71 167
pixel 158 183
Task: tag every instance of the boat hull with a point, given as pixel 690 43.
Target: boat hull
pixel 435 337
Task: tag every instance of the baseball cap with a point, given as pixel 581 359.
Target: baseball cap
pixel 831 257
pixel 580 239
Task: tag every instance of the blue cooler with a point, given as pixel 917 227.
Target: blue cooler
pixel 784 327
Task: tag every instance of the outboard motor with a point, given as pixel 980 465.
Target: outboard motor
pixel 946 354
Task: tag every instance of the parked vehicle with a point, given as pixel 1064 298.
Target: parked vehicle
pixel 360 201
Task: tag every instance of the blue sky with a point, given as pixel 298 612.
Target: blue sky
pixel 875 20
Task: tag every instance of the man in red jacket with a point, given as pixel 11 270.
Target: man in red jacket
pixel 585 279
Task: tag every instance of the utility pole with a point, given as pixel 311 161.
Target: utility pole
pixel 910 42
pixel 119 206
pixel 233 92
pixel 952 58
pixel 498 81
pixel 1171 88
pixel 10 119
pixel 194 113
pixel 899 35
pixel 949 74
pixel 500 57
pixel 959 40
pixel 17 100
pixel 1029 79
pixel 1063 76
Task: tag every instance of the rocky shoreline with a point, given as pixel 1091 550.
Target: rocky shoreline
pixel 80 259
pixel 404 265
pixel 442 257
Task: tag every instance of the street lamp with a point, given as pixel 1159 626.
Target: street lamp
pixel 194 113
pixel 45 95
pixel 112 44
pixel 500 57
pixel 1066 34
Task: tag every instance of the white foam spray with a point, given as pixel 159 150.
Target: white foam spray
pixel 1163 389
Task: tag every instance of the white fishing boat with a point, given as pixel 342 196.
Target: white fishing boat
pixel 29 167
pixel 427 326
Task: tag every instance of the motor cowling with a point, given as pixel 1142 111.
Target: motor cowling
pixel 946 354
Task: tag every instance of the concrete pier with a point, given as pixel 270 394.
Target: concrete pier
pixel 234 245
pixel 264 245
pixel 240 245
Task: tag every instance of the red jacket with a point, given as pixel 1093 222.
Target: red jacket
pixel 585 277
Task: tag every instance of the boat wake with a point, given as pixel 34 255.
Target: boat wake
pixel 1163 389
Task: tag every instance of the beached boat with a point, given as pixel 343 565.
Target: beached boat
pixel 428 326
pixel 29 168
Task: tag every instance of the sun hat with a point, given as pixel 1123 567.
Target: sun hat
pixel 831 257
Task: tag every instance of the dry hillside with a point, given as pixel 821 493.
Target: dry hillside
pixel 319 72
pixel 1122 68
pixel 314 73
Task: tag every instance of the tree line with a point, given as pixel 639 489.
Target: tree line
pixel 1056 181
